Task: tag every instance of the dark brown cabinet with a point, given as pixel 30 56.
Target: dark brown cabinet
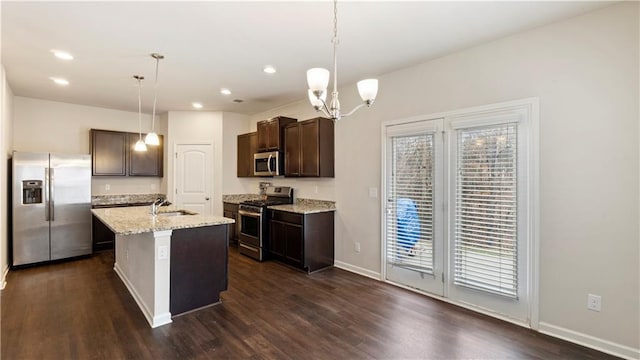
pixel 109 152
pixel 112 155
pixel 247 146
pixel 231 211
pixel 309 148
pixel 102 237
pixel 305 241
pixel 145 163
pixel 271 133
pixel 199 267
pixel 292 150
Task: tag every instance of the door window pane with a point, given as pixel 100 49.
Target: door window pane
pixel 486 210
pixel 410 229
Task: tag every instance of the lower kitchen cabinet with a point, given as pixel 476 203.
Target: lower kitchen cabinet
pixel 230 210
pixel 305 241
pixel 103 238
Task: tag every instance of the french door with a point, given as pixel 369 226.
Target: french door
pixel 457 220
pixel 414 226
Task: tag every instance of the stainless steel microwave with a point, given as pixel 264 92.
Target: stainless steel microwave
pixel 267 164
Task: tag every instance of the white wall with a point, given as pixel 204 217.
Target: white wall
pixel 49 126
pixel 197 127
pixel 232 125
pixel 6 144
pixel 585 72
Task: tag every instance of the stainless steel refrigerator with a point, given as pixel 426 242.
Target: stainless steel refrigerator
pixel 51 206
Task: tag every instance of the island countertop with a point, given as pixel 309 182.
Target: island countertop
pixel 138 219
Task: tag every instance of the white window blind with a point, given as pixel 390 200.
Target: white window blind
pixel 485 242
pixel 410 206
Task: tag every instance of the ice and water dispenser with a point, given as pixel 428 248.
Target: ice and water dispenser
pixel 32 192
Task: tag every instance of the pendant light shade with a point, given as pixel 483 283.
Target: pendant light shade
pixel 140 146
pixel 152 139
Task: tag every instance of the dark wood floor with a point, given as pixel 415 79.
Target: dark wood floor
pixel 81 310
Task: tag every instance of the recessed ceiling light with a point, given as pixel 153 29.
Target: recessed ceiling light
pixel 196 105
pixel 269 69
pixel 225 91
pixel 59 81
pixel 62 55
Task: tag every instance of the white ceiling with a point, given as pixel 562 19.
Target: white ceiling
pixel 211 45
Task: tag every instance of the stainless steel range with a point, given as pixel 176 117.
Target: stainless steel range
pixel 254 225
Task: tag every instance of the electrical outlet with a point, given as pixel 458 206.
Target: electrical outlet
pixel 163 252
pixel 594 302
pixel 107 187
pixel 153 186
pixel 356 246
pixel 373 192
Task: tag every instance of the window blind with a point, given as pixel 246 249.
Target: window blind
pixel 485 254
pixel 410 205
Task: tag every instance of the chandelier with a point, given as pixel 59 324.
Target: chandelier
pixel 318 80
pixel 152 137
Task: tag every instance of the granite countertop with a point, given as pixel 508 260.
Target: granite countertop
pixel 138 219
pixel 124 199
pixel 307 206
pixel 238 198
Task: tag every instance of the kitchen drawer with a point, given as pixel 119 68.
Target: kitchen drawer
pixel 286 217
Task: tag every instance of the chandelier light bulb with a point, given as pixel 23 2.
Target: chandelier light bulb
pixel 318 79
pixel 368 90
pixel 317 102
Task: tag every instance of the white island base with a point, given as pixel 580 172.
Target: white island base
pixel 143 263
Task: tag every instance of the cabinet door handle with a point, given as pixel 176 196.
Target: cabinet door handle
pixel 206 198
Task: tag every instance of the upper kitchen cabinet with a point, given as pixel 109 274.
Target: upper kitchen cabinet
pixel 112 155
pixel 247 146
pixel 108 153
pixel 271 133
pixel 145 163
pixel 309 148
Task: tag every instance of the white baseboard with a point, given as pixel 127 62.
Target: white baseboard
pixel 4 278
pixel 154 321
pixel 358 270
pixel 589 341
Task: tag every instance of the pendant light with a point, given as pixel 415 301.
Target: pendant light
pixel 318 81
pixel 140 145
pixel 152 137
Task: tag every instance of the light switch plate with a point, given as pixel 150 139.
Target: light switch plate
pixel 373 192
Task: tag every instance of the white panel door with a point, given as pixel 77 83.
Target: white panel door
pixel 194 177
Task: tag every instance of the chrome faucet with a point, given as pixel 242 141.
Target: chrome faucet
pixel 155 206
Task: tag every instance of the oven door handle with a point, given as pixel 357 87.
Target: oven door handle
pixel 248 213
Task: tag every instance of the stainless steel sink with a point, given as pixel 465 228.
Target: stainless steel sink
pixel 176 213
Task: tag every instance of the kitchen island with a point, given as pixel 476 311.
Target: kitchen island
pixel 173 262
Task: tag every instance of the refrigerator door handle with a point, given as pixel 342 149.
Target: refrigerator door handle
pixel 46 194
pixel 52 207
